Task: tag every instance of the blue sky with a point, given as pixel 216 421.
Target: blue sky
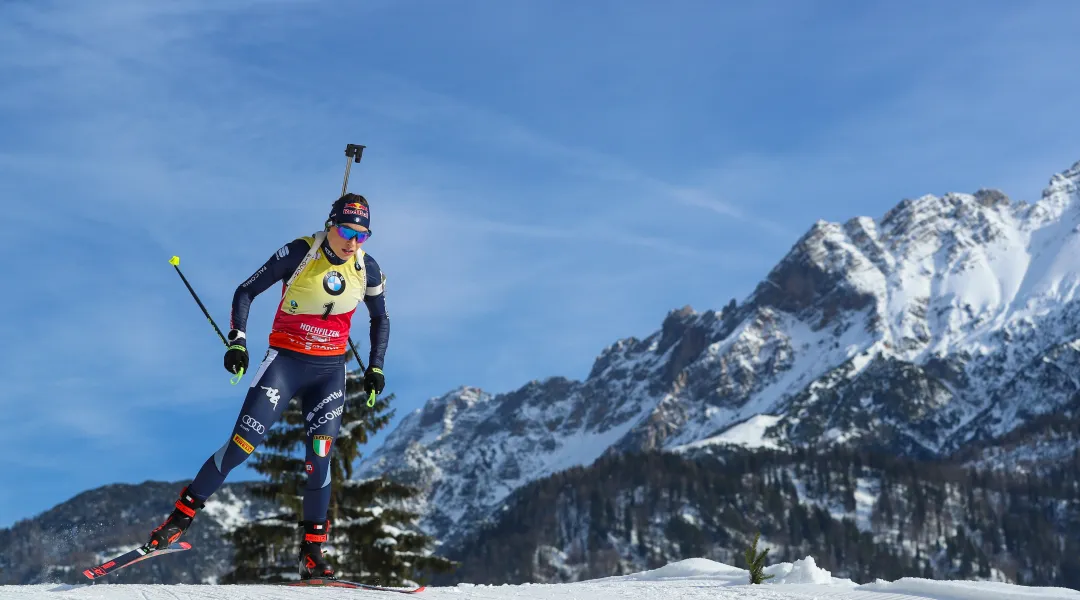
pixel 545 177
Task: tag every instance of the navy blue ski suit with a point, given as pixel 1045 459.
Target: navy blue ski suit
pixel 289 369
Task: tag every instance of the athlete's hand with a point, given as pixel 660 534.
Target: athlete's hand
pixel 236 357
pixel 374 380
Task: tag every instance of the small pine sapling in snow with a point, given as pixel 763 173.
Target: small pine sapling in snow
pixel 755 562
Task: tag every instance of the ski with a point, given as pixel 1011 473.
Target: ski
pixel 350 584
pixel 129 558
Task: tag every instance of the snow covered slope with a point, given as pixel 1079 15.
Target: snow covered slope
pixel 692 579
pixel 948 322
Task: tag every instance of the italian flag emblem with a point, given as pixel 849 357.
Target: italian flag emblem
pixel 321 443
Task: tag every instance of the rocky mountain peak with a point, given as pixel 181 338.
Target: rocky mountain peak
pixel 918 333
pixel 992 198
pixel 813 281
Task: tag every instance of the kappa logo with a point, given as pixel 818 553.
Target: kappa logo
pixel 310 468
pixel 272 394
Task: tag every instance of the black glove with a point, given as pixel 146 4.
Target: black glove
pixel 374 380
pixel 236 357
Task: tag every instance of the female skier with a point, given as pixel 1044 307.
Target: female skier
pixel 325 277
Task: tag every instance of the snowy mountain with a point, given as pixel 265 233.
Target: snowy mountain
pixel 945 324
pixel 691 579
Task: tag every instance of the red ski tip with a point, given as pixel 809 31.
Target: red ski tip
pixel 89 574
pixel 184 545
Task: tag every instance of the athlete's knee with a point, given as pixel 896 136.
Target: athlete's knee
pixel 233 453
pixel 318 462
pixel 318 476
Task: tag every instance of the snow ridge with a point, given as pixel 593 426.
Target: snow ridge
pixel 690 579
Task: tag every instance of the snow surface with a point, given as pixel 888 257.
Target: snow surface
pixel 691 579
pixel 687 580
pixel 749 434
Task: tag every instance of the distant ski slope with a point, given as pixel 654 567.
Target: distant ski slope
pixel 692 579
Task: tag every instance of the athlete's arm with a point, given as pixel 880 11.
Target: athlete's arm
pixel 279 267
pixel 375 300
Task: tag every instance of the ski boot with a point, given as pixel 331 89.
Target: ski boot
pixel 176 523
pixel 312 563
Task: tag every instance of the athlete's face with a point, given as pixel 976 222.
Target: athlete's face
pixel 341 246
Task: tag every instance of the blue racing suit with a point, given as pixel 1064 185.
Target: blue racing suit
pixel 288 371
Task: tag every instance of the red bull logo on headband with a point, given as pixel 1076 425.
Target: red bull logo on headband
pixel 355 208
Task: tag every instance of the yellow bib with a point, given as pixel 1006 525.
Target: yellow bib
pixel 315 313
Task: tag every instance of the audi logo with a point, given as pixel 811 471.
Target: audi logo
pixel 255 426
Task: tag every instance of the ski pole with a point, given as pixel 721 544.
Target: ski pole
pixel 175 262
pixel 353 153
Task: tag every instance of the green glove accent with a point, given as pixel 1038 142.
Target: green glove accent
pixel 240 374
pixel 371 397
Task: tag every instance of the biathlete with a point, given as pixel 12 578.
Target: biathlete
pixel 325 276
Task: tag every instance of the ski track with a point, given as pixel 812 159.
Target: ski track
pixel 692 589
pixel 689 579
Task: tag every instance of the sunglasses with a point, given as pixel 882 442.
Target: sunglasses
pixel 352 234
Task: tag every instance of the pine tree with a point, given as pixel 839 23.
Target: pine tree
pixel 379 551
pixel 371 528
pixel 755 562
pixel 371 538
